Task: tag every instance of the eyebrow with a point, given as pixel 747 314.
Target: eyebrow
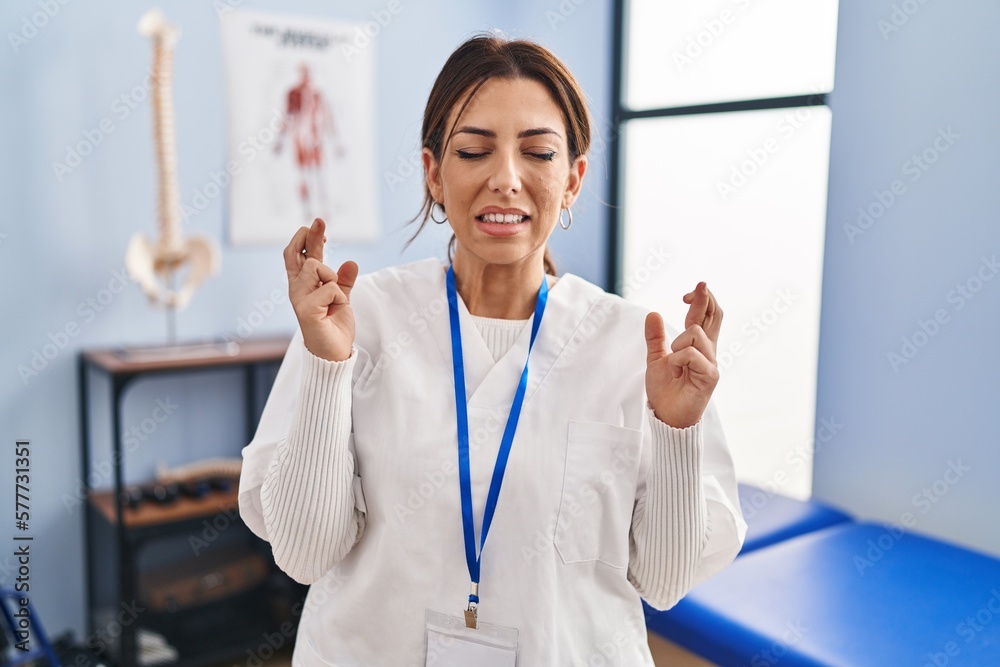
pixel 534 132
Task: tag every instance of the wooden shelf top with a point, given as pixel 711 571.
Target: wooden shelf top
pixel 123 360
pixel 150 513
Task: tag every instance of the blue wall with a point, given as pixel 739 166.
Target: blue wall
pixel 919 439
pixel 63 242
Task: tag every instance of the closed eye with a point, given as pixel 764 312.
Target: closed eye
pixel 469 155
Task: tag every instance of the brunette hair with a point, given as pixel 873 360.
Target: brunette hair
pixel 487 56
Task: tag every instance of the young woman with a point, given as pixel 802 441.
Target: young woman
pixel 424 407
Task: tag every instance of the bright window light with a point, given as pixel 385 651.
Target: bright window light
pixel 688 53
pixel 739 200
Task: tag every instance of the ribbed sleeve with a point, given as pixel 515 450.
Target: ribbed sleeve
pixel 669 525
pixel 307 497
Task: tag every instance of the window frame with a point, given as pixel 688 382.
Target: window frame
pixel 621 115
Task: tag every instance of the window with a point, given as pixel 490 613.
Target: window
pixel 720 174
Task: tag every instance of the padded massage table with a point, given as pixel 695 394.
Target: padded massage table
pixel 852 594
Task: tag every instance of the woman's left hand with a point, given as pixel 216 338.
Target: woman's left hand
pixel 679 383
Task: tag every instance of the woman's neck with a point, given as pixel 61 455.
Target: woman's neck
pixel 502 291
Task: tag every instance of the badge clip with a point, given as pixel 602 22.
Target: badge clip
pixel 472 612
pixel 471 616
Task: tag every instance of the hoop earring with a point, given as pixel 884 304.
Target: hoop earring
pixel 569 222
pixel 444 218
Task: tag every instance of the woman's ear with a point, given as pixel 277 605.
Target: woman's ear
pixel 432 174
pixel 575 181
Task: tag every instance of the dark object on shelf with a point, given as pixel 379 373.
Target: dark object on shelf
pixel 196 488
pixel 132 496
pixel 152 519
pixel 163 493
pixel 222 484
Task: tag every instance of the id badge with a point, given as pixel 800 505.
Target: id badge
pixel 450 643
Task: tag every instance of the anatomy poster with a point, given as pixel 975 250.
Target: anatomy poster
pixel 300 97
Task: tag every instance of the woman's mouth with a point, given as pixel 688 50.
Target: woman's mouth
pixel 503 218
pixel 502 224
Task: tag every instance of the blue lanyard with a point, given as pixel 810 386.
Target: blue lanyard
pixel 472 560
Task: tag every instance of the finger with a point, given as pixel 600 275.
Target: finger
pixel 692 359
pixel 313 275
pixel 321 299
pixel 293 253
pixel 704 311
pixel 346 275
pixel 699 306
pixel 656 338
pixel 695 336
pixel 315 240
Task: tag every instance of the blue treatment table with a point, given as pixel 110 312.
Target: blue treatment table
pixel 855 594
pixel 773 518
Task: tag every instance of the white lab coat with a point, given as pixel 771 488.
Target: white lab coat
pixel 555 564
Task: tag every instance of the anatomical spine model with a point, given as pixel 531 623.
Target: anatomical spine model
pixel 154 264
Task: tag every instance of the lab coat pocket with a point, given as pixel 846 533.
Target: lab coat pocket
pixel 598 493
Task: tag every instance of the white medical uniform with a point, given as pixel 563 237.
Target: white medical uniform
pixel 374 522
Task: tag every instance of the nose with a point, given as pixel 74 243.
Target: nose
pixel 505 179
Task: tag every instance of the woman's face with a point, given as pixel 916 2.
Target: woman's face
pixel 505 175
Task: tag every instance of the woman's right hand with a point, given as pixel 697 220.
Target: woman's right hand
pixel 320 296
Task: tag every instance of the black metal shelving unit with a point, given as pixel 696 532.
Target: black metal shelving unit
pixel 116 538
